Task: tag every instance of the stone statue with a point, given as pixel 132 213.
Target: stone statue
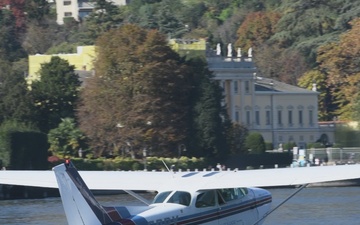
pixel 218 49
pixel 314 88
pixel 250 52
pixel 239 52
pixel 229 50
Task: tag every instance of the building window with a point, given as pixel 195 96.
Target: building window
pixel 257 117
pixel 67 14
pixel 247 87
pixel 311 122
pixel 301 138
pixel 300 117
pixel 268 117
pixel 248 118
pixel 237 116
pixel 67 2
pixel 280 138
pixel 290 118
pixel 311 138
pixel 235 87
pixel 279 117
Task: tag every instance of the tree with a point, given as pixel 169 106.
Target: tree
pixel 255 143
pixel 66 139
pixel 237 135
pixel 138 95
pixel 326 102
pixel 257 28
pixel 105 16
pixel 341 62
pixel 55 94
pixel 15 103
pixel 286 65
pixel 305 25
pixel 10 47
pixel 208 122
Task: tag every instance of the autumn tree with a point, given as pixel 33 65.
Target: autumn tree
pixel 341 62
pixel 257 28
pixel 55 93
pixel 138 95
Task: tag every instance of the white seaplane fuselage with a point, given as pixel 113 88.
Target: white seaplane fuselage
pixel 209 207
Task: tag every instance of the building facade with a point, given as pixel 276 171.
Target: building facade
pixel 82 60
pixel 282 113
pixel 78 9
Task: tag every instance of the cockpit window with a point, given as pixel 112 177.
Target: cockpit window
pixel 180 197
pixel 205 199
pixel 159 198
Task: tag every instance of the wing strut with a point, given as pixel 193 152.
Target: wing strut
pixel 281 203
pixel 140 198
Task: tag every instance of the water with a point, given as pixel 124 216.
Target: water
pixel 312 206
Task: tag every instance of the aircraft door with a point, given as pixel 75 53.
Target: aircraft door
pixel 206 203
pixel 235 207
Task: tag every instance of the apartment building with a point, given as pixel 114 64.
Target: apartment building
pixel 78 9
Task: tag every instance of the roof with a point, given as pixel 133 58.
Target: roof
pixel 267 85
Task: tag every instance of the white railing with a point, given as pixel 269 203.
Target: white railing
pixel 331 155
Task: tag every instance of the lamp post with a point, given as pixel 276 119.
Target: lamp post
pixel 145 155
pixel 181 148
pixel 272 113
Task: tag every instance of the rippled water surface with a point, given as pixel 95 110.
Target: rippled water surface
pixel 312 206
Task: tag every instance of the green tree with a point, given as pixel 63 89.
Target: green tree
pixel 139 93
pixel 211 136
pixel 55 94
pixel 237 137
pixel 66 139
pixel 305 25
pixel 105 16
pixel 10 46
pixel 37 9
pixel 255 143
pixel 326 104
pixel 15 103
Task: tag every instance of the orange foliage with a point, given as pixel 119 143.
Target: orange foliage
pixel 256 29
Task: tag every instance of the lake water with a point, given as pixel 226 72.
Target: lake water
pixel 312 206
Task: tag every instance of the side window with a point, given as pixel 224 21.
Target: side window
pixel 205 199
pixel 228 194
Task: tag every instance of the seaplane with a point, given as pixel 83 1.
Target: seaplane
pixel 182 198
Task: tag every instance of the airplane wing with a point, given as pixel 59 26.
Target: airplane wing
pixel 157 181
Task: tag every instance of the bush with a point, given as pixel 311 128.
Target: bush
pixel 255 143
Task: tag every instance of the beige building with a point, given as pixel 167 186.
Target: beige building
pixel 282 113
pixel 78 9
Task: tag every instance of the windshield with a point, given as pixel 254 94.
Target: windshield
pixel 159 198
pixel 178 197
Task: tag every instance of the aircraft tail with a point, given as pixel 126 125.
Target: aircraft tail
pixel 79 203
